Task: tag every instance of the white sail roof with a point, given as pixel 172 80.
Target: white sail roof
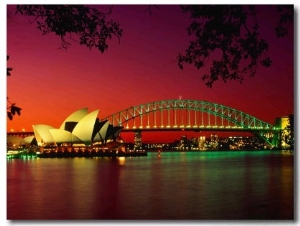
pixel 101 135
pixel 63 136
pixel 27 140
pixel 42 134
pixel 75 117
pixel 16 140
pixel 79 127
pixel 84 128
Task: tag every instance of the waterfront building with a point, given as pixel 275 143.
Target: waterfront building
pixel 283 123
pixel 201 143
pixel 79 128
pixel 214 141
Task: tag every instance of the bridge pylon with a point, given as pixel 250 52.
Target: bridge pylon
pixel 273 138
pixel 277 140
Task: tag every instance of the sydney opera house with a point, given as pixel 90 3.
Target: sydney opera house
pixel 79 128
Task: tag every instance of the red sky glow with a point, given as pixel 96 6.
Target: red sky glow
pixel 49 83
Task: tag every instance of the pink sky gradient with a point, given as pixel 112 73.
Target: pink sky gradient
pixel 49 83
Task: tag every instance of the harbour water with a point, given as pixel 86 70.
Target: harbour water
pixel 211 185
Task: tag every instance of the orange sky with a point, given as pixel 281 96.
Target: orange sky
pixel 49 83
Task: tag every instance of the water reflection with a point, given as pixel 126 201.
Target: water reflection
pixel 192 185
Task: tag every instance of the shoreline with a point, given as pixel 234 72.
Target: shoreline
pixel 108 154
pixel 73 154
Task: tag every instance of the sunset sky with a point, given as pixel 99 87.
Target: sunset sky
pixel 49 83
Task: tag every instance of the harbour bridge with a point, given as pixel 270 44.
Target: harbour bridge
pixel 191 115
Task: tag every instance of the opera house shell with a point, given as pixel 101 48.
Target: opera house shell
pixel 80 127
pixel 16 141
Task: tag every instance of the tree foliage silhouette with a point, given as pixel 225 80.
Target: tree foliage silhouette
pixel 8 69
pixel 12 109
pixel 88 23
pixel 234 32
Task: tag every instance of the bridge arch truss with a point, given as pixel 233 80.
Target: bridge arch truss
pixel 187 114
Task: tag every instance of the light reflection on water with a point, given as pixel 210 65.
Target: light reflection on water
pixel 192 185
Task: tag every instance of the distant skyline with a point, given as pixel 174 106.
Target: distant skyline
pixel 49 83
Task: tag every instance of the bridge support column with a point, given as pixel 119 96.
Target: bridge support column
pixel 277 140
pixel 138 145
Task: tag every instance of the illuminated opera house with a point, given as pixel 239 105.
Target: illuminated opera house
pixel 79 128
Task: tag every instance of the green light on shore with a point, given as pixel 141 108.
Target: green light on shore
pixel 20 156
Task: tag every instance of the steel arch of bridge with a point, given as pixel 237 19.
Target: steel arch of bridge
pixel 182 114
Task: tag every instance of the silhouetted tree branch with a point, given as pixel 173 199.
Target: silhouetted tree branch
pixel 228 30
pixel 8 69
pixel 12 109
pixel 88 23
pixel 150 7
